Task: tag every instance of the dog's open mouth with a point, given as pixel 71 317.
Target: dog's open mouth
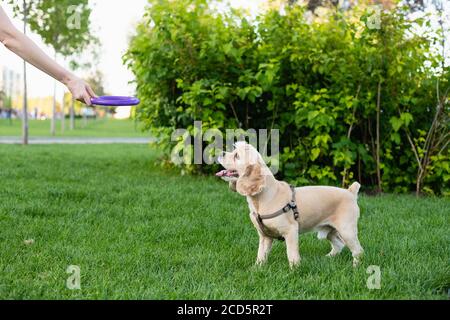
pixel 228 173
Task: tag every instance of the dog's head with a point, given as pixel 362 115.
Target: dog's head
pixel 244 169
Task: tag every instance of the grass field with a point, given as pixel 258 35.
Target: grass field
pixel 138 232
pixel 99 128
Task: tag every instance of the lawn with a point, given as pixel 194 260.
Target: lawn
pixel 139 232
pixel 94 128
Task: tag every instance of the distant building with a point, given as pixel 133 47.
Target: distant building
pixel 11 85
pixel 2 99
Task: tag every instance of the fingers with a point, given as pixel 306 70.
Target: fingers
pixel 82 92
pixel 87 99
pixel 90 91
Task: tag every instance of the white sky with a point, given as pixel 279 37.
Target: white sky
pixel 114 22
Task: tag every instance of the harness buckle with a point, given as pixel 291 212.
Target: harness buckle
pixel 292 205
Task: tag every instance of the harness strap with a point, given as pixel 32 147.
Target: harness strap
pixel 292 205
pixel 265 230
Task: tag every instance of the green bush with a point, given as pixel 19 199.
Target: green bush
pixel 334 88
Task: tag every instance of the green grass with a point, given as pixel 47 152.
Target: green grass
pixel 138 232
pixel 99 128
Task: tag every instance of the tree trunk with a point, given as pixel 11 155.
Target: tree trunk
pixel 63 116
pixel 25 89
pixel 378 138
pixel 419 183
pixel 72 115
pixel 53 120
pixel 85 120
pixel 349 134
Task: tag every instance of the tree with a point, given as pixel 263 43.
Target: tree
pixel 21 8
pixel 67 36
pixel 2 98
pixel 347 92
pixel 96 80
pixel 430 146
pixel 5 105
pixel 84 62
pixel 62 24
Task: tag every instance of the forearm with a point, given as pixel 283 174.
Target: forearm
pixel 21 45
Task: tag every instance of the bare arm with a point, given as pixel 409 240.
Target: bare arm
pixel 21 45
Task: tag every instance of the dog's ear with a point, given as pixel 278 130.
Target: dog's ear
pixel 252 181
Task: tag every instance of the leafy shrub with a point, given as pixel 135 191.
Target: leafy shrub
pixel 351 102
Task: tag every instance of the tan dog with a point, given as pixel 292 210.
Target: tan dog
pixel 332 212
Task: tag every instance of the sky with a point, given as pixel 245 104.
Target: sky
pixel 113 22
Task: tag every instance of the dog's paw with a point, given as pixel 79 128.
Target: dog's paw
pixel 357 258
pixel 294 264
pixel 260 263
pixel 356 261
pixel 258 266
pixel 333 253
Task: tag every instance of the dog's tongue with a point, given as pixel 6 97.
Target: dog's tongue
pixel 222 173
pixel 226 173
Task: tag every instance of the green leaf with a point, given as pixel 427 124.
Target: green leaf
pixel 207 102
pixel 312 115
pixel 406 118
pixel 396 123
pixel 396 137
pixel 315 153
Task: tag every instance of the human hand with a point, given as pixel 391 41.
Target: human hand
pixel 80 90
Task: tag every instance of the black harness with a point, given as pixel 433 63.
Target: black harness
pixel 292 205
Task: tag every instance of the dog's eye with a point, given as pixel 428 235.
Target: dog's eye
pixel 236 156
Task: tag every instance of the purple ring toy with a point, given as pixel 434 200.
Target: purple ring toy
pixel 115 101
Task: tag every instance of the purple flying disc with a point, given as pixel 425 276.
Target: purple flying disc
pixel 115 101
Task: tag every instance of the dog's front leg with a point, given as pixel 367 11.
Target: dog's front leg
pixel 292 247
pixel 265 245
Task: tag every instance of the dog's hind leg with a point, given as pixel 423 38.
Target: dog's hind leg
pixel 323 231
pixel 350 236
pixel 337 244
pixel 347 228
pixel 330 233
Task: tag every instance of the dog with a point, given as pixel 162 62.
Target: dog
pixel 330 211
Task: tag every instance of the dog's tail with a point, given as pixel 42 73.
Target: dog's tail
pixel 354 188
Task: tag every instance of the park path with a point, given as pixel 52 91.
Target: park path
pixel 75 140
